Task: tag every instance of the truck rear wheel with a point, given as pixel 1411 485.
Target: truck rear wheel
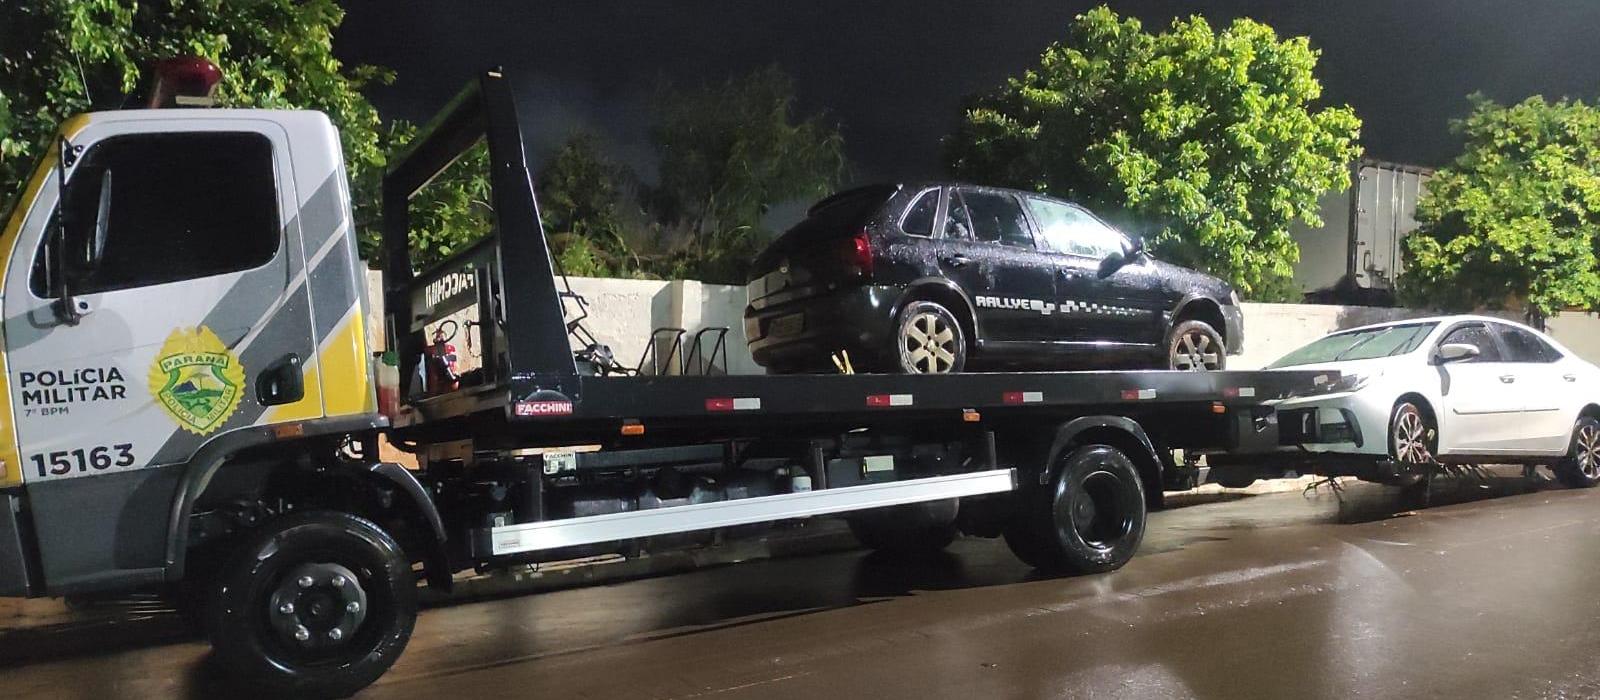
pixel 1089 518
pixel 317 604
pixel 918 529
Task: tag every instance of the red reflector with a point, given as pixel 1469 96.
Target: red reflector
pixel 883 400
pixel 719 404
pixel 1230 393
pixel 1013 397
pixel 1130 394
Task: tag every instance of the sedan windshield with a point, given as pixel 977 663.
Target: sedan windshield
pixel 1368 344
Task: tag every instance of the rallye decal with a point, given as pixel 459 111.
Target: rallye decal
pixel 197 380
pixel 1046 308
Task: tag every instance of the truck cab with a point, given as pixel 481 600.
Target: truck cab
pixel 179 284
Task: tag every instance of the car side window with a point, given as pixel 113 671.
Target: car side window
pixel 1523 346
pixel 997 218
pixel 957 224
pixel 177 206
pixel 1068 229
pixel 1476 335
pixel 920 215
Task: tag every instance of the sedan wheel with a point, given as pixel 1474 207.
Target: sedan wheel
pixel 930 340
pixel 1196 347
pixel 1411 436
pixel 1581 468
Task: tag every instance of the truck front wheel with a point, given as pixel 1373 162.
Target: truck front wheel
pixel 318 604
pixel 1089 517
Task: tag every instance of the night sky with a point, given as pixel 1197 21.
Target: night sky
pixel 893 72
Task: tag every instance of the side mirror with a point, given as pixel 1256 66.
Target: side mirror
pixel 95 247
pixel 1457 352
pixel 1134 248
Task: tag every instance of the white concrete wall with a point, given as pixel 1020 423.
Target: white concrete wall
pixel 622 314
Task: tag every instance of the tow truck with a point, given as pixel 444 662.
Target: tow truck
pixel 191 403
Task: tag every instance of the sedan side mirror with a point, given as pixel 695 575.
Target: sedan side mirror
pixel 1457 352
pixel 1134 247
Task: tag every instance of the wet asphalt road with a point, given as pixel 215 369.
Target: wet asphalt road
pixel 1270 596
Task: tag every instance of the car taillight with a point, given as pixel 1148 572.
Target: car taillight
pixel 861 253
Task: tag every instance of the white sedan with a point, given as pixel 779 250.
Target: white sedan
pixel 1461 389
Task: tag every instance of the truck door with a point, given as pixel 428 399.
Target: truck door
pixel 170 310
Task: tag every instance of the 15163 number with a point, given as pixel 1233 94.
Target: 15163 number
pixel 83 460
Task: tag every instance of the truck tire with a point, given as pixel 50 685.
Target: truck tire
pixel 317 604
pixel 1089 518
pixel 1580 469
pixel 914 530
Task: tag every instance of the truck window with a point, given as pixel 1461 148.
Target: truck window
pixel 182 206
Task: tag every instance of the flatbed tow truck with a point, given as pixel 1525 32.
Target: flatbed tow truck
pixel 191 405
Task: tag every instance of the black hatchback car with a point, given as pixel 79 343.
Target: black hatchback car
pixel 937 277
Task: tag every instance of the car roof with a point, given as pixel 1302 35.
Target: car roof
pixel 1441 320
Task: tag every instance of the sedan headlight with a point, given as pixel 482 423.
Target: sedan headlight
pixel 1347 382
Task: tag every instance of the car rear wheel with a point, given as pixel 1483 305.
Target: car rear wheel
pixel 1195 346
pixel 929 340
pixel 1581 468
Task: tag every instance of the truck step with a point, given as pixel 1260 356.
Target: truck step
pixel 555 534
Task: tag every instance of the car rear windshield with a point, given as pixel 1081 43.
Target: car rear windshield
pixel 842 214
pixel 1368 344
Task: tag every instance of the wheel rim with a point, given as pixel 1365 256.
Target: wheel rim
pixel 1411 438
pixel 929 344
pixel 317 609
pixel 1194 351
pixel 1098 512
pixel 1589 451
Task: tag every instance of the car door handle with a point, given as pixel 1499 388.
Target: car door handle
pixel 956 260
pixel 1072 274
pixel 1570 377
pixel 1508 378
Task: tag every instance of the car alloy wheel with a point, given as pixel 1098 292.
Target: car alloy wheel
pixel 1588 453
pixel 1411 437
pixel 1195 351
pixel 930 343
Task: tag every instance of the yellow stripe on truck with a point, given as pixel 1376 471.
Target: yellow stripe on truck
pixel 346 371
pixel 10 457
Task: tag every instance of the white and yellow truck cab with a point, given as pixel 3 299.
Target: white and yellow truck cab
pixel 188 404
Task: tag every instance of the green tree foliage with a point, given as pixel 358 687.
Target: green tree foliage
pixel 728 152
pixel 64 57
pixel 452 212
pixel 1514 221
pixel 589 206
pixel 1211 140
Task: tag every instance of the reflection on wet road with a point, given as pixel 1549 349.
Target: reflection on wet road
pixel 1270 596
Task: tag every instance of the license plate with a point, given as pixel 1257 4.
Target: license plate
pixel 792 324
